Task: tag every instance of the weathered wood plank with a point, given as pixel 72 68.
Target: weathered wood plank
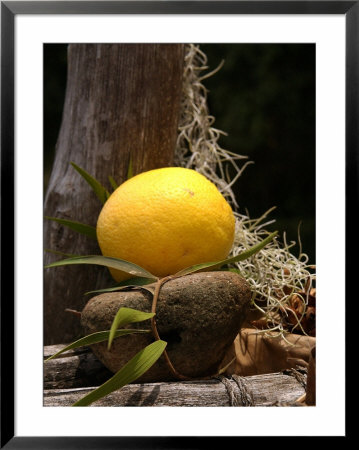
pixel 77 372
pixel 50 350
pixel 260 390
pixel 75 368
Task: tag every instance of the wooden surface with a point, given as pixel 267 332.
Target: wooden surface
pixel 122 102
pixel 74 374
pixel 75 368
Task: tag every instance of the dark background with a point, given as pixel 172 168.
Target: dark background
pixel 264 99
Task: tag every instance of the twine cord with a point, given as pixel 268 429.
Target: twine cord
pixel 238 394
pixel 299 375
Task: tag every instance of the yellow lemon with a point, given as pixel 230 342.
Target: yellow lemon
pixel 165 220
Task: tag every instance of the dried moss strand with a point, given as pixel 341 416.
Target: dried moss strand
pixel 274 273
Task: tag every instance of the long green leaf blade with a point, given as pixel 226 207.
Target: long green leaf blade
pixel 113 183
pixel 130 169
pixel 218 264
pixel 136 367
pixel 107 261
pixel 251 251
pixel 101 192
pixel 81 228
pixel 94 338
pixel 130 283
pixel 56 252
pixel 232 269
pixel 125 316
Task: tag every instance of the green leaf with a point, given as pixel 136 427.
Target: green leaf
pixel 112 182
pixel 107 261
pixel 241 257
pixel 252 250
pixel 125 316
pixel 94 338
pixel 99 190
pixel 130 283
pixel 130 169
pixel 56 252
pixel 232 269
pixel 136 367
pixel 135 281
pixel 81 228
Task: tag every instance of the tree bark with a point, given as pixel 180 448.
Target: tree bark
pixel 122 103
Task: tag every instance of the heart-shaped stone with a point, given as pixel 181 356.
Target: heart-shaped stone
pixel 198 315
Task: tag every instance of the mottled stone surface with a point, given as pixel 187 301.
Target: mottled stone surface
pixel 198 315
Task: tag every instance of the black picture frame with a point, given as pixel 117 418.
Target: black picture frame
pixel 9 9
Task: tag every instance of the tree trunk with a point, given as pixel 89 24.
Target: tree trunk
pixel 122 103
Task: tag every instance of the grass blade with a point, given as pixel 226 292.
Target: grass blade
pixel 232 269
pixel 130 169
pixel 101 192
pixel 94 338
pixel 114 263
pixel 127 284
pixel 56 252
pixel 136 281
pixel 81 228
pixel 113 183
pixel 136 367
pixel 125 316
pixel 218 264
pixel 251 251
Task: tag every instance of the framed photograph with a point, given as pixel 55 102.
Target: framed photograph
pixel 275 83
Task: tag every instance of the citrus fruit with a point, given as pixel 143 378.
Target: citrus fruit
pixel 165 220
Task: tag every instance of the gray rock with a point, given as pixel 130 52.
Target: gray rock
pixel 198 315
